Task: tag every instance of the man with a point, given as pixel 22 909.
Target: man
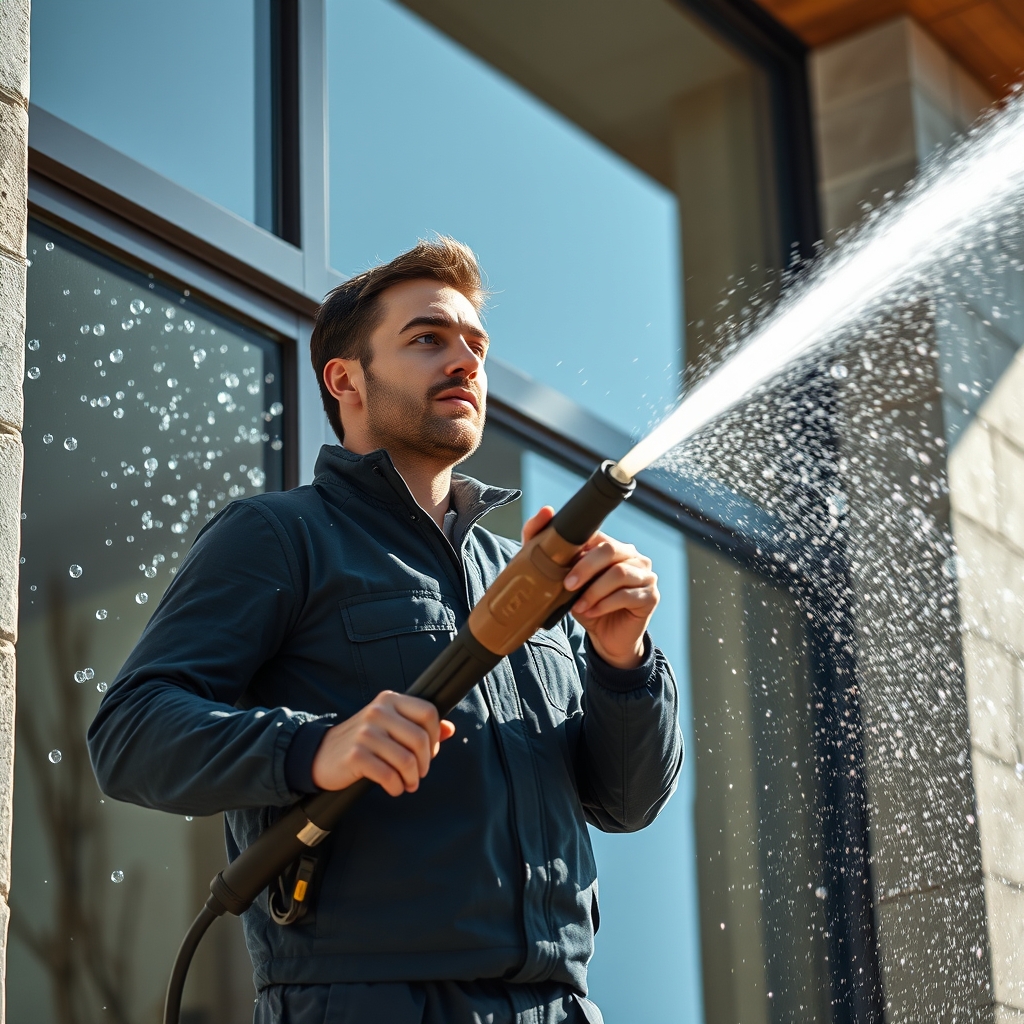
pixel 461 889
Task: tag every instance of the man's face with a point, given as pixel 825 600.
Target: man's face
pixel 426 387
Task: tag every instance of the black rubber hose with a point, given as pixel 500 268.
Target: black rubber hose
pixel 579 518
pixel 176 986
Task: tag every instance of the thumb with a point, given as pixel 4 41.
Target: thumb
pixel 536 523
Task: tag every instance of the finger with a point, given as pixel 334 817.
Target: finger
pixel 600 556
pixel 536 523
pixel 638 601
pixel 418 711
pixel 621 574
pixel 409 734
pixel 394 754
pixel 368 766
pixel 447 732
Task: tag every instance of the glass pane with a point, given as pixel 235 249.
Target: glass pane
pixel 145 413
pixel 580 247
pixel 763 886
pixel 170 85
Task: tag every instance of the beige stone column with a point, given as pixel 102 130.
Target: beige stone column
pixel 14 60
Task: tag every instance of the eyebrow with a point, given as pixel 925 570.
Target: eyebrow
pixel 445 321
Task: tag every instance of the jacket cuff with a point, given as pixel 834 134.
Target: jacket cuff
pixel 622 680
pixel 298 762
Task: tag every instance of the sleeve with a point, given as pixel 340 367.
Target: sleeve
pixel 167 734
pixel 630 750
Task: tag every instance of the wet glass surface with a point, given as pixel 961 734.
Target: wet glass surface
pixel 145 413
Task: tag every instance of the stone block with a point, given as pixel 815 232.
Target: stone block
pixel 934 128
pixel 7 698
pixel 12 340
pixel 934 953
pixel 979 571
pixel 11 459
pixel 860 64
pixel 1008 1015
pixel 875 132
pixel 13 177
pixel 1000 800
pixel 1003 408
pixel 14 35
pixel 1009 473
pixel 972 476
pixel 992 698
pixel 931 69
pixel 1006 934
pixel 842 202
pixel 971 97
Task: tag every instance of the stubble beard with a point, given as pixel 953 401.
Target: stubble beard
pixel 406 424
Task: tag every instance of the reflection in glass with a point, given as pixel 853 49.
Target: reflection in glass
pixel 140 77
pixel 148 413
pixel 580 247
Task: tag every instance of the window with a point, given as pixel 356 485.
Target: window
pixel 145 413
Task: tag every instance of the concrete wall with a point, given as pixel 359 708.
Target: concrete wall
pixel 14 56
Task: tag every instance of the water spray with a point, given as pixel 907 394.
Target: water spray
pixel 527 595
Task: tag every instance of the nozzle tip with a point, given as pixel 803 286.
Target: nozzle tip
pixel 617 474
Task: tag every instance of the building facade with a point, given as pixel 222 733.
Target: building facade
pixel 640 181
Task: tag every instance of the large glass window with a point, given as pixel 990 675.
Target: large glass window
pixel 145 412
pixel 174 86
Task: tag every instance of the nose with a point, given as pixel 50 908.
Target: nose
pixel 463 360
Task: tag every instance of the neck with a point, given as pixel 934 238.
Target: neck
pixel 430 484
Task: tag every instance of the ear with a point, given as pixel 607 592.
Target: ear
pixel 344 379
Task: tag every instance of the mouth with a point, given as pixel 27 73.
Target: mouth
pixel 459 398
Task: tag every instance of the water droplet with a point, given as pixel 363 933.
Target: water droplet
pixel 269 378
pixel 71 443
pixel 188 817
pixel 159 367
pixel 839 371
pixel 821 892
pixel 189 325
pixel 151 465
pixel 33 345
pixel 178 527
pixel 1019 770
pixel 170 312
pixel 117 876
pixel 75 571
pixel 80 676
pixel 90 674
pixel 141 597
pixel 118 414
pixel 61 356
pixel 32 373
pixel 172 382
pixel 276 409
pixel 257 476
pixel 116 356
pixel 253 387
pixel 84 329
pixel 101 613
pixel 47 438
pixel 99 330
pixel 103 401
pixel 127 324
pixel 101 687
pixel 231 380
pixel 198 356
pixel 149 572
pixel 136 306
pixel 54 756
pixel 277 444
pixel 49 248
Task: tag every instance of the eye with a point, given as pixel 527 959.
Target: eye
pixel 425 339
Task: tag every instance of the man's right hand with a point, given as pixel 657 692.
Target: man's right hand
pixel 391 742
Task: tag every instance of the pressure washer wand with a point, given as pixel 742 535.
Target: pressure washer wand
pixel 527 595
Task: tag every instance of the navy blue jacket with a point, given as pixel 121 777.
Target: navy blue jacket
pixel 291 611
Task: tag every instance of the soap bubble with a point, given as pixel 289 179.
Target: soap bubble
pixel 71 443
pixel 47 438
pixel 117 876
pixel 141 597
pixel 74 571
pixel 99 330
pixel 101 613
pixel 54 756
pixel 101 687
pixel 116 356
pixel 32 373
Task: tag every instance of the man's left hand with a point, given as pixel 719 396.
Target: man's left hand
pixel 618 605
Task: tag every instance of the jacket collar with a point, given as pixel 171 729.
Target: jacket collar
pixel 375 475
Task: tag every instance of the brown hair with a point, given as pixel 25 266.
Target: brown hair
pixel 350 312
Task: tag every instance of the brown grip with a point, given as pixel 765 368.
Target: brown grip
pixel 528 589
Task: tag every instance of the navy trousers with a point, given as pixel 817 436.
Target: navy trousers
pixel 434 1002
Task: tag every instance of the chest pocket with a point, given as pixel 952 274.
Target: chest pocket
pixel 556 668
pixel 395 636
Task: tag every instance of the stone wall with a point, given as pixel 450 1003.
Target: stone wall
pixel 14 65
